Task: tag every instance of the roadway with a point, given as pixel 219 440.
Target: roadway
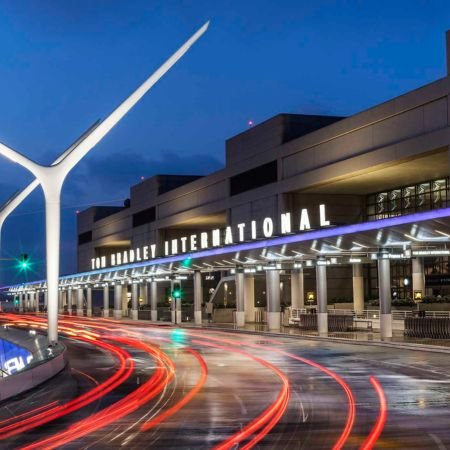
pixel 132 385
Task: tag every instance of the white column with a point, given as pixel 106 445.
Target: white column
pixel 21 302
pixel 69 300
pixel 60 302
pixel 176 307
pixel 358 287
pixel 240 301
pixel 198 297
pixel 125 311
pixel 322 297
pixel 384 290
pixel 64 299
pixel 154 301
pixel 52 193
pixel 80 299
pixel 105 300
pixel 418 276
pixel 297 289
pixel 89 301
pixel 36 301
pixel 33 301
pixel 249 298
pixel 273 299
pixel 117 301
pixel 46 299
pixel 134 301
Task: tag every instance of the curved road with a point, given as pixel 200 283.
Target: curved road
pixel 131 385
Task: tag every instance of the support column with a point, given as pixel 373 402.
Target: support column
pixel 33 301
pixel 154 301
pixel 61 301
pixel 125 311
pixel 297 289
pixel 105 300
pixel 21 302
pixel 358 287
pixel 89 301
pixel 134 301
pixel 198 297
pixel 143 292
pixel 69 300
pixel 240 302
pixel 322 297
pixel 384 291
pixel 273 299
pixel 418 276
pixel 80 298
pixel 249 298
pixel 64 299
pixel 117 301
pixel 176 307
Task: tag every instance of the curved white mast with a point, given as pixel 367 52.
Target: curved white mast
pixel 52 178
pixel 10 205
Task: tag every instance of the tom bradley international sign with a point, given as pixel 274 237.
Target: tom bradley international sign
pixel 218 237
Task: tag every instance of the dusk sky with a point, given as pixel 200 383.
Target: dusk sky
pixel 65 64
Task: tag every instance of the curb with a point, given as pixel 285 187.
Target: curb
pixel 397 345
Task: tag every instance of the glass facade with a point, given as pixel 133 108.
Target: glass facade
pixel 424 196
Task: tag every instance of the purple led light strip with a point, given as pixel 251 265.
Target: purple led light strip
pixel 290 239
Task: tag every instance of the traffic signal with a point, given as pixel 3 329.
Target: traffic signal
pixel 24 262
pixel 176 291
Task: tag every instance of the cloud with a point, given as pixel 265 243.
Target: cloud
pixel 108 178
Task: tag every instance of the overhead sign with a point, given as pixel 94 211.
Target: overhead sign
pixel 214 238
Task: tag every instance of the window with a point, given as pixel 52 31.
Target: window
pixel 409 199
pixel 145 216
pixel 254 178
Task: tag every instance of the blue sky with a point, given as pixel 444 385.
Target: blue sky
pixel 65 64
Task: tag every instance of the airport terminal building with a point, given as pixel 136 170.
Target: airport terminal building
pixel 307 210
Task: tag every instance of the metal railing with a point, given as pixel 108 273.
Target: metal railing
pixel 369 314
pixel 434 328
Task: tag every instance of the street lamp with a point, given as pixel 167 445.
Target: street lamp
pixel 52 178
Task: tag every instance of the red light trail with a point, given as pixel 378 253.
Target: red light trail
pixel 162 376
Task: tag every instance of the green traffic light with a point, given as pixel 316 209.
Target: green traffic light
pixel 24 263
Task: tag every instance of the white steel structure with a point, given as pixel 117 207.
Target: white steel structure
pixel 11 204
pixel 52 177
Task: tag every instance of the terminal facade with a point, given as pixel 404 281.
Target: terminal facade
pixel 307 210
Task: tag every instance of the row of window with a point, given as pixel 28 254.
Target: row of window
pixel 409 199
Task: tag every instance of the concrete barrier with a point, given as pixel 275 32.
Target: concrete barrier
pixel 35 373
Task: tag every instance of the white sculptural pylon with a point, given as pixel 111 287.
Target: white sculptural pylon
pixel 51 178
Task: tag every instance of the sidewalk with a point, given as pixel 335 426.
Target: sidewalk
pixel 352 337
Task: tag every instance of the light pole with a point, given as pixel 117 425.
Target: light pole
pixel 52 178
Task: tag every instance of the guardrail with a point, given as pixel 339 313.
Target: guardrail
pixel 370 314
pixel 336 322
pixel 434 328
